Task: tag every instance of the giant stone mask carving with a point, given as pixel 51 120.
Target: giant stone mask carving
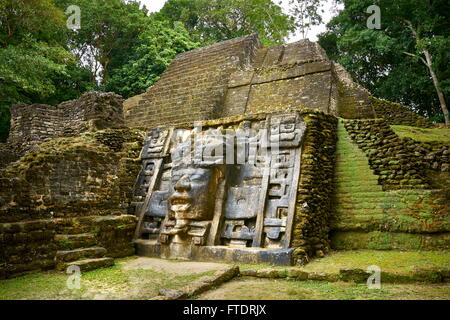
pixel 194 192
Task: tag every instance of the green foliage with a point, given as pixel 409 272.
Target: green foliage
pixel 25 75
pixel 38 19
pixel 109 30
pixel 217 20
pixel 25 68
pixel 306 14
pixel 157 46
pixel 35 64
pixel 377 59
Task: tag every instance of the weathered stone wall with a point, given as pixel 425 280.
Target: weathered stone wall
pixel 353 100
pixel 313 209
pixel 194 85
pixel 436 156
pixel 72 169
pixel 72 177
pixel 31 245
pixel 395 113
pixel 30 126
pixel 92 111
pixel 286 77
pixel 397 165
pixel 367 217
pixel 9 153
pixel 238 77
pixel 34 124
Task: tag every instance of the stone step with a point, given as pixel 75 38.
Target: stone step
pixel 75 241
pixel 77 254
pixel 352 213
pixel 346 201
pixel 354 171
pixel 345 181
pixel 357 189
pixel 87 264
pixel 371 205
pixel 383 194
pixel 355 174
pixel 350 162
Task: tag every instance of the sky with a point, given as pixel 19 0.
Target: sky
pixel 156 5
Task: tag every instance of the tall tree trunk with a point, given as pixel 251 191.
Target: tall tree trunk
pixel 429 63
pixel 105 71
pixel 437 86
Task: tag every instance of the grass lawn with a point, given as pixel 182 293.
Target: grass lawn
pixel 422 134
pixel 264 289
pixel 395 262
pixel 142 278
pixel 109 283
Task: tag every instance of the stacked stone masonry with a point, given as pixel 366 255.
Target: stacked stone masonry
pixel 194 85
pixel 72 177
pixel 68 173
pixel 314 196
pixel 239 77
pixel 367 217
pixel 353 101
pixel 396 165
pixel 34 124
pixel 397 114
pixel 30 246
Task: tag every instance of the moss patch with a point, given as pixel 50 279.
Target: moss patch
pixel 263 289
pixel 396 266
pixel 402 262
pixel 109 283
pixel 422 134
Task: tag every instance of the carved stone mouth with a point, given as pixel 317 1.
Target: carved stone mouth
pixel 180 203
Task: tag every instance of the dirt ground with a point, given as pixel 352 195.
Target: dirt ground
pixel 172 266
pixel 134 278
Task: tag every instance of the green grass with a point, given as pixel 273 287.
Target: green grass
pixel 119 283
pixel 396 262
pixel 107 283
pixel 405 262
pixel 423 135
pixel 264 289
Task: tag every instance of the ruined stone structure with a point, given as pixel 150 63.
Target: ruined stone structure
pixel 240 77
pixel 222 187
pixel 238 153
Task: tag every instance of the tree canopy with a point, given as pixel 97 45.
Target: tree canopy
pixel 211 21
pixel 390 61
pixel 34 57
pixel 156 47
pixel 121 47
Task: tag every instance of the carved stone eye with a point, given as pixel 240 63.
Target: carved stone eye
pixel 196 177
pixel 176 178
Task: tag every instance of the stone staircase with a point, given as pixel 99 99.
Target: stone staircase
pixel 362 207
pixel 357 189
pixel 80 250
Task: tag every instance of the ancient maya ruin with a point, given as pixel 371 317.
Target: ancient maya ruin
pixel 239 153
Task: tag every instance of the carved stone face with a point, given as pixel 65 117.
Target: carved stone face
pixel 194 193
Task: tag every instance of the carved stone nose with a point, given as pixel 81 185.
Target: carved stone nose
pixel 184 184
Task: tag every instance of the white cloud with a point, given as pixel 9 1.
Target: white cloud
pixel 156 5
pixel 153 5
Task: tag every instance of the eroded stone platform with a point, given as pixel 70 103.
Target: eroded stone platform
pixel 150 248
